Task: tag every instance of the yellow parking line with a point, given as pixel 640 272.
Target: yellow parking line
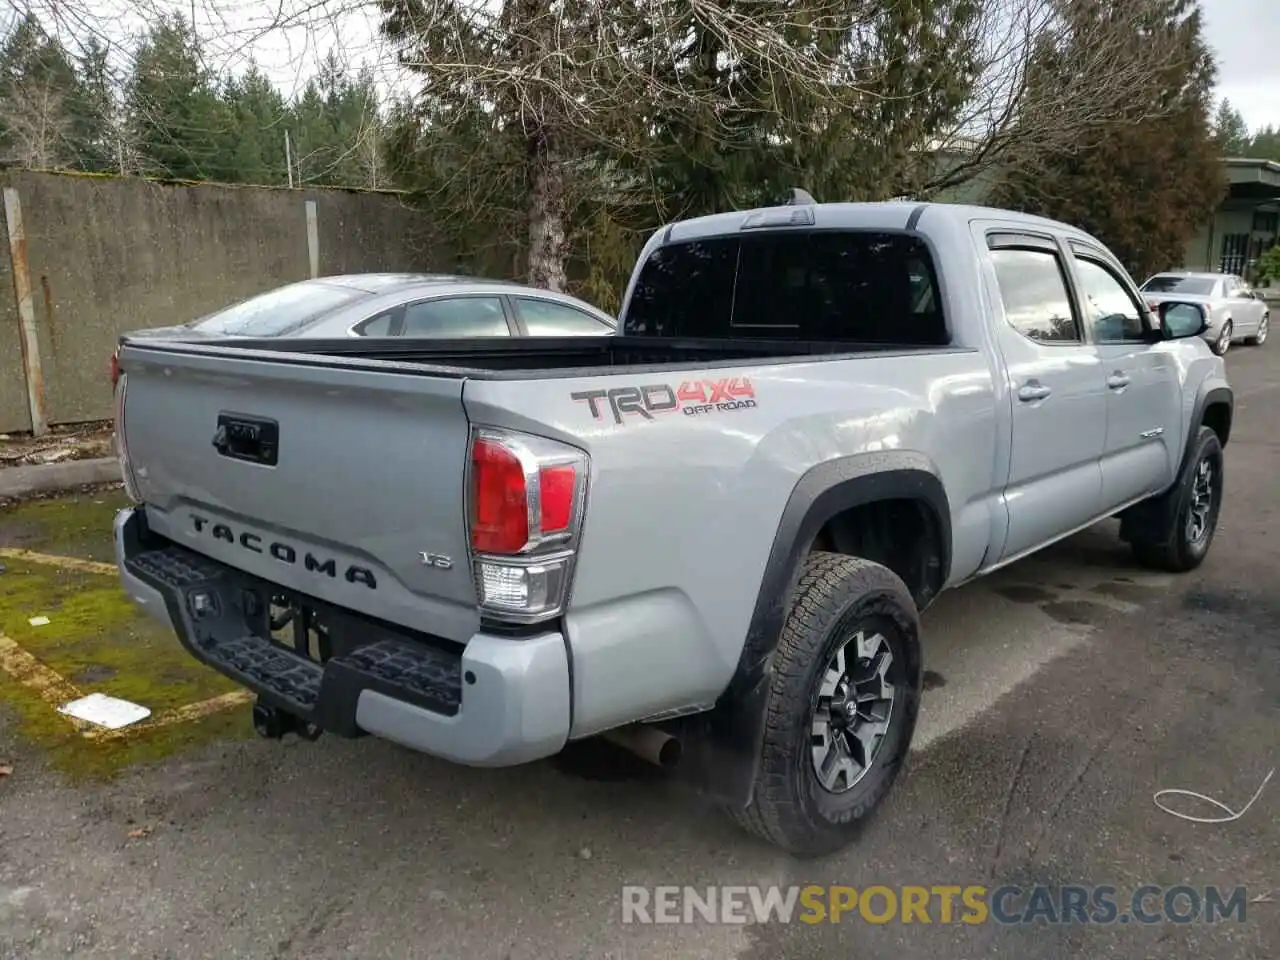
pixel 192 711
pixel 50 685
pixel 56 690
pixel 67 563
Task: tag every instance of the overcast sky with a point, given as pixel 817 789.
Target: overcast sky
pixel 1245 35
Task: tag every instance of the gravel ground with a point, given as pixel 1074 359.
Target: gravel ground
pixel 1065 691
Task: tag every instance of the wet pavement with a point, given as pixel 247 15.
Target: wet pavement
pixel 1065 690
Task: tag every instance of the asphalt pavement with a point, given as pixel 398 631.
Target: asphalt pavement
pixel 1063 692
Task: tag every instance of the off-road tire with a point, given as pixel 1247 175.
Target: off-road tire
pixel 1161 540
pixel 836 596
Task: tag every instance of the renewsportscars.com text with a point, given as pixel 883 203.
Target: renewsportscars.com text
pixel 944 904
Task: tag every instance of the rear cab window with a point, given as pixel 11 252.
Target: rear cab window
pixel 844 286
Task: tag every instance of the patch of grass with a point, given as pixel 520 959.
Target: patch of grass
pixel 78 525
pixel 99 640
pixel 94 627
pixel 81 760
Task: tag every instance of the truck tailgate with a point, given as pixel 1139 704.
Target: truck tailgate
pixel 329 480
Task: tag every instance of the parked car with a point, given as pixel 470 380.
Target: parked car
pixel 708 538
pixel 398 305
pixel 1236 312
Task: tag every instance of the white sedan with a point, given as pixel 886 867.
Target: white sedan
pixel 1236 312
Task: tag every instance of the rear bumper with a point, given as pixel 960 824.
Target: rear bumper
pixel 495 702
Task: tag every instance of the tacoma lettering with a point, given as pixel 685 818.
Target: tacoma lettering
pixel 284 552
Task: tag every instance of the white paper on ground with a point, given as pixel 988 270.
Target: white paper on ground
pixel 104 711
pixel 38 621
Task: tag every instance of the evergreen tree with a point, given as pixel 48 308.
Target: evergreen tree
pixel 39 91
pixel 613 117
pixel 181 127
pixel 1265 144
pixel 1145 188
pixel 906 69
pixel 1230 130
pixel 315 141
pixel 259 119
pixel 337 129
pixel 95 112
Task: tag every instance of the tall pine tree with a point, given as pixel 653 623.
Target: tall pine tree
pixel 1230 130
pixel 1142 188
pixel 39 91
pixel 591 119
pixel 181 128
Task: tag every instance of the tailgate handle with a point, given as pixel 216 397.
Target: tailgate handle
pixel 252 439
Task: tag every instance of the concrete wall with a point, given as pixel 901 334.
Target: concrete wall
pixel 110 255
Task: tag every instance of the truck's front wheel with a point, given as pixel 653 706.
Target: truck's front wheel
pixel 841 706
pixel 1181 523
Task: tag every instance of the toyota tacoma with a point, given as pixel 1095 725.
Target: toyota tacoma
pixel 708 538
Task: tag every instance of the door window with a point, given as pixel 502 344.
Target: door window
pixel 1113 315
pixel 546 318
pixel 1034 293
pixel 456 317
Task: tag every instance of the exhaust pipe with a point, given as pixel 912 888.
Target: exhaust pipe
pixel 648 743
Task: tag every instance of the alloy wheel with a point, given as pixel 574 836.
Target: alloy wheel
pixel 853 712
pixel 1200 513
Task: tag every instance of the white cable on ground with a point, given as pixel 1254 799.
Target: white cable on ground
pixel 1231 814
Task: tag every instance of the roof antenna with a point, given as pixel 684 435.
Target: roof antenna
pixel 800 198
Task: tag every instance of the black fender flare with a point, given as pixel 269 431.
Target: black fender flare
pixel 1156 513
pixel 1205 398
pixel 722 745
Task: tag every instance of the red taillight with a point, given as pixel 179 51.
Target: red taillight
pixel 525 505
pixel 500 503
pixel 115 367
pixel 503 521
pixel 558 485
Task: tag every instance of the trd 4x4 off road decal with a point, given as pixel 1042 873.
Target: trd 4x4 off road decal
pixel 692 398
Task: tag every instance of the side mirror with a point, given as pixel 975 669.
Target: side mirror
pixel 1181 320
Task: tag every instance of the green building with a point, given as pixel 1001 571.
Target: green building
pixel 1246 224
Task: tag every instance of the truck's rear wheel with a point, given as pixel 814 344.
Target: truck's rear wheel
pixel 841 706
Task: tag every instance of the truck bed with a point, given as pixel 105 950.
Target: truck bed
pixel 541 357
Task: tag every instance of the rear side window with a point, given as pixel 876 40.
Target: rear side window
pixel 823 285
pixel 278 311
pixel 456 317
pixel 1034 293
pixel 546 318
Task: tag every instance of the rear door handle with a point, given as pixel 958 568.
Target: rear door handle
pixel 1117 381
pixel 1033 390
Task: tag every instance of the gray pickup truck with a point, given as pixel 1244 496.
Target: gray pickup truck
pixel 708 538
